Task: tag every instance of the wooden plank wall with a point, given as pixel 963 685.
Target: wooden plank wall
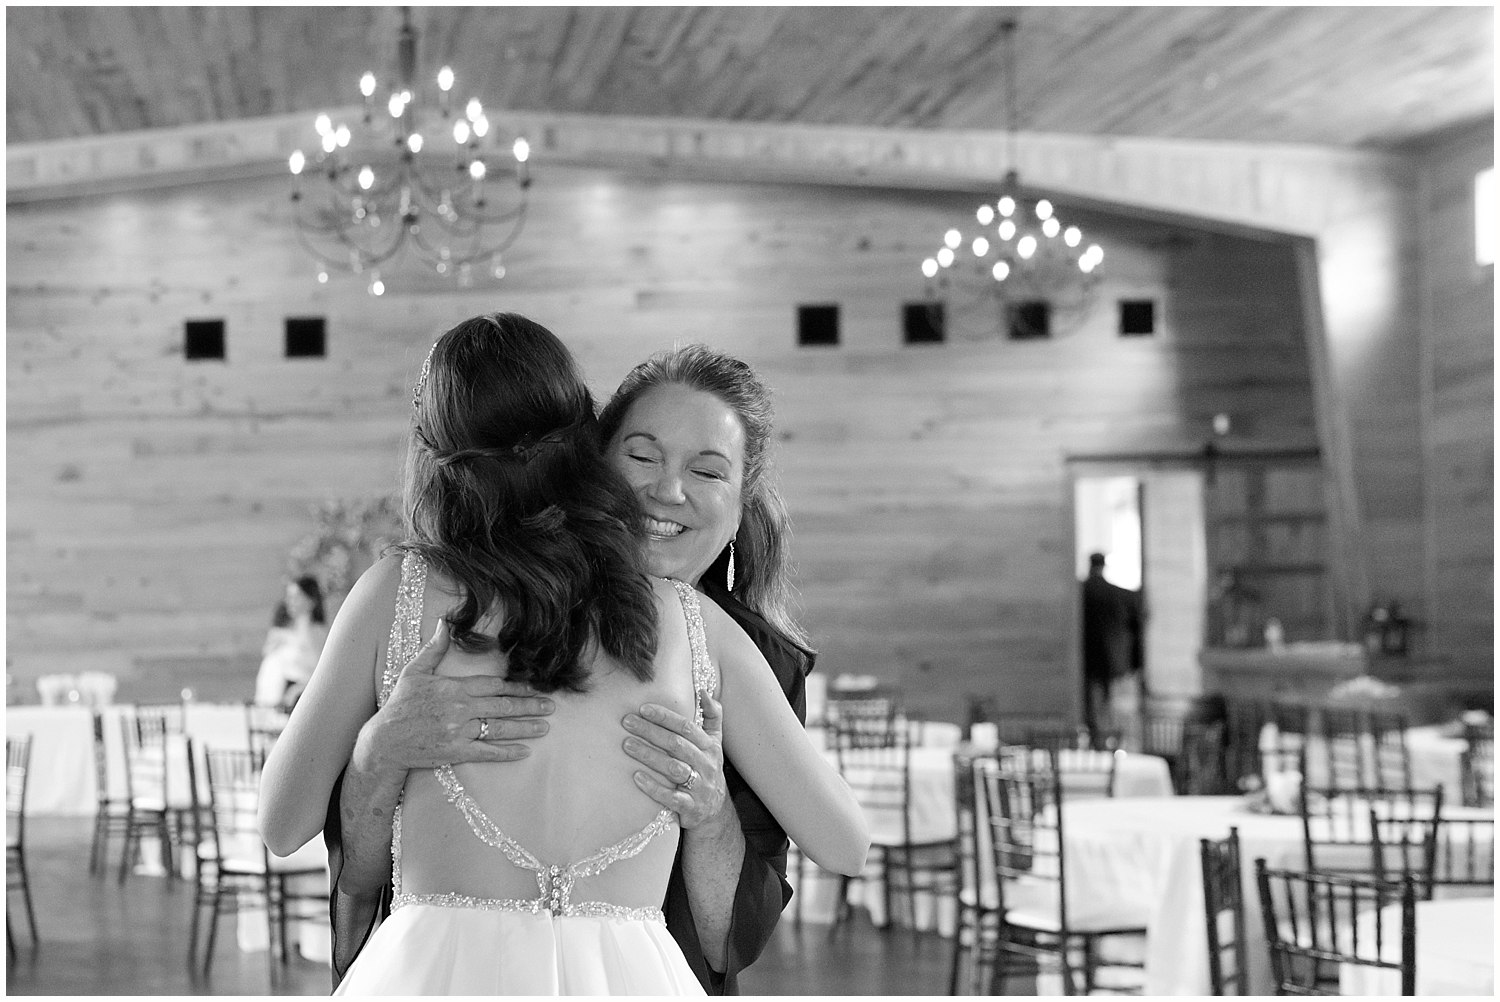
pixel 1458 384
pixel 152 500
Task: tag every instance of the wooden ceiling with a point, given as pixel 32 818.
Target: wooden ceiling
pixel 1371 77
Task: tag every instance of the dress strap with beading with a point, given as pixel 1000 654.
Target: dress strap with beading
pixel 705 673
pixel 406 629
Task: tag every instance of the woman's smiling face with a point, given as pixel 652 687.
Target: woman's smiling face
pixel 683 451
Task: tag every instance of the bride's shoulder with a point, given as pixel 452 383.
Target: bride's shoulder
pixel 728 643
pixel 375 592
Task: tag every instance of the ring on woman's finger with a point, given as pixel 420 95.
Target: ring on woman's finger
pixel 484 728
pixel 686 786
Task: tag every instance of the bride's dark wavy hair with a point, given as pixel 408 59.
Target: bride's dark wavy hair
pixel 509 495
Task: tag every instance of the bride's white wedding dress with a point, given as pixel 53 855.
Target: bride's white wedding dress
pixel 575 937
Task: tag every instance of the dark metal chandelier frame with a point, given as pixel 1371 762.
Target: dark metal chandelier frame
pixel 1015 250
pixel 420 178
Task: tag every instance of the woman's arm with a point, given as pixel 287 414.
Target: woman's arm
pixel 769 747
pixel 340 697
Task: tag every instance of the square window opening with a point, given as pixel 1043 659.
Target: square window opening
pixel 203 340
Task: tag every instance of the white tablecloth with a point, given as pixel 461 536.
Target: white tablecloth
pixel 61 777
pixel 1455 950
pixel 1436 757
pixel 62 780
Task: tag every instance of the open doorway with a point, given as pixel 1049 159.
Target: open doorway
pixel 1107 520
pixel 1149 521
pixel 1107 526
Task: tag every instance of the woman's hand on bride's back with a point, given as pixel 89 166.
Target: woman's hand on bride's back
pixel 684 763
pixel 432 719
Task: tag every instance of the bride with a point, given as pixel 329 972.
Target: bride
pixel 543 876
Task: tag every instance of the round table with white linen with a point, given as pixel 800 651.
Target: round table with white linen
pixel 1146 849
pixel 934 818
pixel 1455 950
pixel 61 774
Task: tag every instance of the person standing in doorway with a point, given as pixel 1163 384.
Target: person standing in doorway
pixel 1111 643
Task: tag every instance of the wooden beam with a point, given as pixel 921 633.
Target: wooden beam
pixel 1279 188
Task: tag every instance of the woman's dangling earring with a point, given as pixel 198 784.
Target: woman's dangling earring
pixel 729 572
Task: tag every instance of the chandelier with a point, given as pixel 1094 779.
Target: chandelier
pixel 419 174
pixel 1015 251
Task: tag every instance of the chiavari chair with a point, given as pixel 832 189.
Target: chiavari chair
pixel 873 754
pixel 1336 834
pixel 1224 912
pixel 1039 918
pixel 1477 764
pixel 1365 748
pixel 150 801
pixel 112 796
pixel 976 895
pixel 17 772
pixel 1316 922
pixel 1446 857
pixel 236 872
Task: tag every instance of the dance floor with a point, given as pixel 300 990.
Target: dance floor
pixel 99 938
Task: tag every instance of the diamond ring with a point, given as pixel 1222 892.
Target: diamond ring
pixel 484 728
pixel 686 786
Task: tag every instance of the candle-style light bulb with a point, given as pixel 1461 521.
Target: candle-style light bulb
pixel 474 109
pixel 445 79
pixel 296 161
pixel 521 149
pixel 367 85
pixel 460 132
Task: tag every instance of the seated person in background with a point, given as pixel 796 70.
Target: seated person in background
pixel 293 644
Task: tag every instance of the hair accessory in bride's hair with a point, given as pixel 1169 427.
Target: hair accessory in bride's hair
pixel 525 449
pixel 457 456
pixel 530 445
pixel 416 393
